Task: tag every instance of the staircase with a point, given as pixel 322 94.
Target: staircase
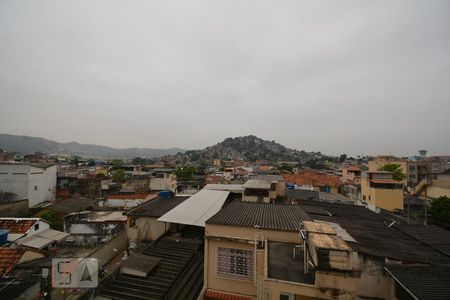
pixel 179 274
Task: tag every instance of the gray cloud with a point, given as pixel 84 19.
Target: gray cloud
pixel 348 76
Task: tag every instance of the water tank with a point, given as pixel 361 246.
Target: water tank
pixel 165 194
pixel 3 237
pixel 290 186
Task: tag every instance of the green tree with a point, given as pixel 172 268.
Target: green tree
pixel 342 158
pixel 285 167
pixel 116 164
pixel 118 175
pixel 91 163
pixel 75 160
pixel 185 172
pixel 440 209
pixel 396 169
pixel 52 219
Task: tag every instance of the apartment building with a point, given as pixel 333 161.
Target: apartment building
pixel 310 251
pixel 380 190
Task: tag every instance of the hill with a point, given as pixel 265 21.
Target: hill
pixel 28 145
pixel 248 148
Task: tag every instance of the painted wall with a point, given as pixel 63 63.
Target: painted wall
pixel 41 185
pixel 436 192
pixel 146 229
pixel 389 199
pixel 369 280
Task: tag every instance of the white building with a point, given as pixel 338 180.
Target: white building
pixel 35 182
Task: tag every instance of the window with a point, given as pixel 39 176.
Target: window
pixel 364 197
pixel 235 263
pixel 36 227
pixel 132 223
pixel 286 296
pixel 35 187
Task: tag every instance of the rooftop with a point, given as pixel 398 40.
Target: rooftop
pixel 17 225
pixel 224 187
pixel 267 216
pixel 423 282
pixel 8 259
pixel 257 184
pixel 43 238
pixel 157 207
pixel 313 178
pixel 282 265
pixel 268 177
pixel 73 205
pixel 197 208
pixel 374 236
pixel 132 196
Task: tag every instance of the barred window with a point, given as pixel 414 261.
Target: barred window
pixel 235 263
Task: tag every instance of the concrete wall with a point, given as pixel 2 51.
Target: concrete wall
pixel 28 182
pixel 14 179
pixel 41 185
pixel 166 183
pixel 146 229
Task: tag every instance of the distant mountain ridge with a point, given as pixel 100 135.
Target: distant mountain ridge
pixel 29 145
pixel 248 148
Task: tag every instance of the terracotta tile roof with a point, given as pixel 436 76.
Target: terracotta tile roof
pixel 131 196
pixel 17 225
pixel 8 259
pixel 264 168
pixel 313 178
pixel 216 295
pixel 353 168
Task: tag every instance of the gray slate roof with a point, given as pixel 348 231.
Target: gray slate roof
pixel 73 205
pixel 374 237
pixel 424 282
pixel 267 216
pixel 156 208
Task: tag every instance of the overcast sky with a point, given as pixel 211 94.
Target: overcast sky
pixel 358 77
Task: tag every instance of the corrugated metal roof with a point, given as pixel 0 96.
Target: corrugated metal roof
pixel 52 234
pixel 43 238
pixel 266 216
pixel 197 209
pixel 35 241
